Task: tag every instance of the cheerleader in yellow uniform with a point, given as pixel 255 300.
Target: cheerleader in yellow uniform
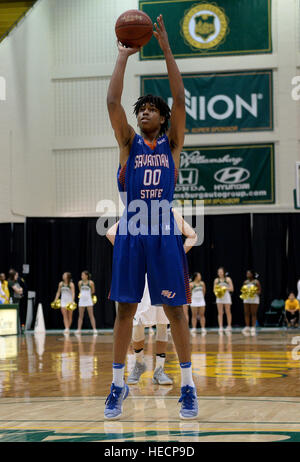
pixel 251 303
pixel 223 281
pixel 66 293
pixel 87 290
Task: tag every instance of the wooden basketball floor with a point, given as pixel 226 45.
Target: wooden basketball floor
pixel 53 388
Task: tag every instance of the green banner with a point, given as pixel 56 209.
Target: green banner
pixel 227 175
pixel 224 27
pixel 222 102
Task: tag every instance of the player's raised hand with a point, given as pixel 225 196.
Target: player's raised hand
pixel 161 34
pixel 127 51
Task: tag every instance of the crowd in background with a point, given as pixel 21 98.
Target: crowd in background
pixel 13 290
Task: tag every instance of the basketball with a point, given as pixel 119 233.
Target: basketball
pixel 134 28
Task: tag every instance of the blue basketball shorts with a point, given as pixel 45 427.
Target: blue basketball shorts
pixel 162 257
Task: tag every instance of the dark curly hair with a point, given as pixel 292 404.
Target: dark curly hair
pixel 160 104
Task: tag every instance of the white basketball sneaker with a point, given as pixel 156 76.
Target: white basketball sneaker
pixel 246 331
pixel 253 331
pixel 160 377
pixel 137 371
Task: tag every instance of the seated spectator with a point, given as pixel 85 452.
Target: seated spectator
pixel 4 291
pixel 292 307
pixel 15 290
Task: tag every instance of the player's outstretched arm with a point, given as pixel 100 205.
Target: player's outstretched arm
pixel 176 132
pixel 123 131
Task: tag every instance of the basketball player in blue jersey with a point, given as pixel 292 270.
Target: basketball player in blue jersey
pixel 147 173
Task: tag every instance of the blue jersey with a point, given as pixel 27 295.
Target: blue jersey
pixel 148 173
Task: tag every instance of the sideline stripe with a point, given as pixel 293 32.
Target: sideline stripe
pixel 203 430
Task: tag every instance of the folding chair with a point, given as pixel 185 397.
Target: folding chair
pixel 276 314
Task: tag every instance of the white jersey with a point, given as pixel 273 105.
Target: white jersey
pixel 147 314
pixel 253 300
pixel 197 296
pixel 226 299
pixel 66 295
pixel 85 295
pixel 298 288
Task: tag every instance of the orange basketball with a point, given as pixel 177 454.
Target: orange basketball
pixel 134 28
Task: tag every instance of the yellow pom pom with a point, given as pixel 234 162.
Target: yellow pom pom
pixel 220 291
pixel 244 292
pixel 253 291
pixel 71 306
pixel 56 305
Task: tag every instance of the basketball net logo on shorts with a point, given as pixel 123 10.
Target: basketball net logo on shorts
pixel 204 26
pixel 168 293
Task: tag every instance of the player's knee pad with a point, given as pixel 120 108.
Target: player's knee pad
pixel 138 333
pixel 161 333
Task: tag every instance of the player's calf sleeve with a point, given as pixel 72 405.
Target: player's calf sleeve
pixel 138 333
pixel 161 333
